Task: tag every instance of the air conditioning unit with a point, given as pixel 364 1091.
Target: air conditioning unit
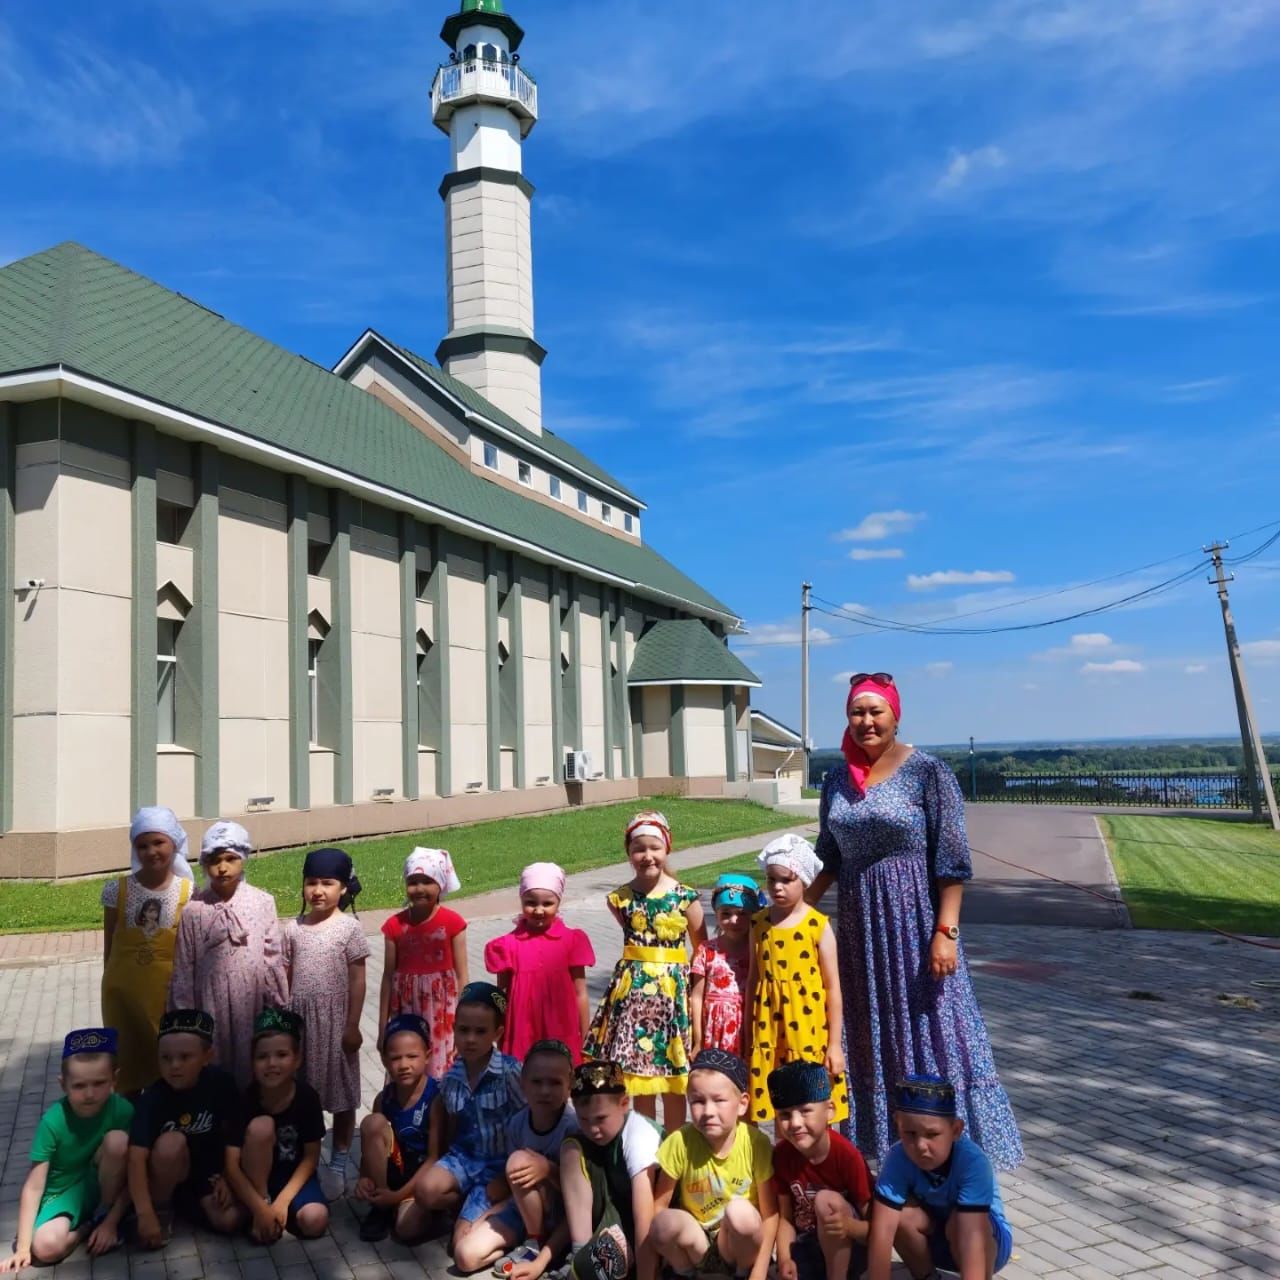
pixel 578 766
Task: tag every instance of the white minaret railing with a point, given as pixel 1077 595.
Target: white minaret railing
pixel 502 82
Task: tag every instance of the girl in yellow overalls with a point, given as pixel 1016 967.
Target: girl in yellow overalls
pixel 140 914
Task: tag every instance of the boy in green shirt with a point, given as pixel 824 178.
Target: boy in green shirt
pixel 77 1159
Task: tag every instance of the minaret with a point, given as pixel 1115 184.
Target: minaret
pixel 483 99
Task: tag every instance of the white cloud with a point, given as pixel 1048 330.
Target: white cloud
pixel 1261 650
pixel 880 525
pixel 956 578
pixel 1195 668
pixel 939 668
pixel 964 166
pixel 1120 667
pixel 1030 686
pixel 851 606
pixel 780 634
pixel 1196 390
pixel 876 553
pixel 1082 643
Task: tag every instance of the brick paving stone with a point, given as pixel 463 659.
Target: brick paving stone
pixel 1136 1115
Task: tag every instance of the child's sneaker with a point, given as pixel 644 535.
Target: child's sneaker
pixel 333 1182
pixel 377 1223
pixel 525 1252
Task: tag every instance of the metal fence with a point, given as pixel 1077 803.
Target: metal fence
pixel 1156 790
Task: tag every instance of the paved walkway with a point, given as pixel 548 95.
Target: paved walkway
pixel 1141 1066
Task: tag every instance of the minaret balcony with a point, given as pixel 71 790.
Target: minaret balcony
pixel 460 84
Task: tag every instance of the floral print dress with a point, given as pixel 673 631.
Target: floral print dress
pixel 643 1021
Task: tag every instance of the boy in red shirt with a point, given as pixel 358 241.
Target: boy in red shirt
pixel 824 1189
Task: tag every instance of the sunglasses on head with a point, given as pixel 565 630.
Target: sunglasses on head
pixel 876 677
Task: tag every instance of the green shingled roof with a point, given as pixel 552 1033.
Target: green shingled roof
pixel 69 306
pixel 548 440
pixel 684 650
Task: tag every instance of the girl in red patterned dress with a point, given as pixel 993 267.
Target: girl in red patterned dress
pixel 718 975
pixel 426 954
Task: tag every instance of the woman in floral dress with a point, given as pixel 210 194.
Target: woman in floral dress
pixel 643 1021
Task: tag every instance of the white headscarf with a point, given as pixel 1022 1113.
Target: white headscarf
pixel 795 853
pixel 436 865
pixel 230 836
pixel 156 818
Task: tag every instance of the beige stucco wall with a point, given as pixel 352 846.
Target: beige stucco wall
pixel 376 662
pixel 704 730
pixel 467 694
pixel 253 651
pixel 655 732
pixel 535 617
pixel 72 653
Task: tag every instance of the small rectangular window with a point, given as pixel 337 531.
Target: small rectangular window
pixel 317 554
pixel 582 500
pixel 422 584
pixel 606 513
pixel 627 522
pixel 171 521
pixel 525 472
pixel 555 487
pixel 166 682
pixel 491 456
pixel 313 684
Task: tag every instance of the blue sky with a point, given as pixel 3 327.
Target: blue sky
pixel 993 286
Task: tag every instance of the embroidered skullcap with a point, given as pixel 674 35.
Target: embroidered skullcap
pixel 409 1022
pixel 327 864
pixel 89 1040
pixel 597 1076
pixel 735 890
pixel 277 1022
pixel 558 1047
pixel 190 1022
pixel 925 1095
pixel 485 993
pixel 228 836
pixel 727 1064
pixel 795 853
pixel 648 822
pixel 435 864
pixel 795 1083
pixel 542 875
pixel 156 818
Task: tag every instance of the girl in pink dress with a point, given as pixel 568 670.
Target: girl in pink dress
pixel 542 966
pixel 718 974
pixel 425 965
pixel 229 960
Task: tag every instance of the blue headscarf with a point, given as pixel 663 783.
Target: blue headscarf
pixel 734 890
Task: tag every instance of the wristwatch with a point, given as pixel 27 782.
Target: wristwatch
pixel 951 931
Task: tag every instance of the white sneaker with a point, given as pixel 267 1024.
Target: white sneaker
pixel 333 1182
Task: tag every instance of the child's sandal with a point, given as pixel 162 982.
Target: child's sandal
pixel 505 1265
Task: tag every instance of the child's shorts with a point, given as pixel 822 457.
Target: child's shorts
pixel 508 1218
pixel 473 1175
pixel 940 1247
pixel 77 1202
pixel 806 1253
pixel 310 1192
pixel 402 1165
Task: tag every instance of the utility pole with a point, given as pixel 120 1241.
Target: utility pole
pixel 805 607
pixel 973 771
pixel 1255 760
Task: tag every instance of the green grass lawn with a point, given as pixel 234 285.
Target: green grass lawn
pixel 487 855
pixel 741 864
pixel 810 793
pixel 1197 873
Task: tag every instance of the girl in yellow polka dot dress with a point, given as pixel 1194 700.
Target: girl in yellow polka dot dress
pixel 793 986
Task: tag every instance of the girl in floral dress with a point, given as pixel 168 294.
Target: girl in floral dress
pixel 229 960
pixel 425 962
pixel 643 1021
pixel 719 970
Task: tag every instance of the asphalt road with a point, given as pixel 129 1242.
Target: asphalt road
pixel 1039 842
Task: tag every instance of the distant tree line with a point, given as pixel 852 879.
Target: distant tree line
pixel 1120 758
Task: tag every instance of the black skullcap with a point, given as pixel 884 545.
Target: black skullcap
pixel 192 1022
pixel 727 1064
pixel 795 1083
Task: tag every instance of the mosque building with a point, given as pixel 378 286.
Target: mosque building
pixel 331 602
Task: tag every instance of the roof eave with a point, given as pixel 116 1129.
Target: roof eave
pixel 60 379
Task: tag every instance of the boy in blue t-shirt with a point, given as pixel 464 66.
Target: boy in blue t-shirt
pixel 937 1202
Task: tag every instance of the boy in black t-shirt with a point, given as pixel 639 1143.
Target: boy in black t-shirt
pixel 274 1150
pixel 179 1133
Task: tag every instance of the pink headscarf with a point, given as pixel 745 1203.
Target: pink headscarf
pixel 857 759
pixel 542 875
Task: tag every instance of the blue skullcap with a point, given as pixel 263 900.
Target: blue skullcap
pixel 485 993
pixel 727 1064
pixel 795 1083
pixel 407 1022
pixel 925 1095
pixel 735 890
pixel 89 1040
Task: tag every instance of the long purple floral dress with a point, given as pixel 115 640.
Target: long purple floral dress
pixel 887 849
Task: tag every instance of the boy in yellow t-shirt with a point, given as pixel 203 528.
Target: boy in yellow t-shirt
pixel 718 1171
